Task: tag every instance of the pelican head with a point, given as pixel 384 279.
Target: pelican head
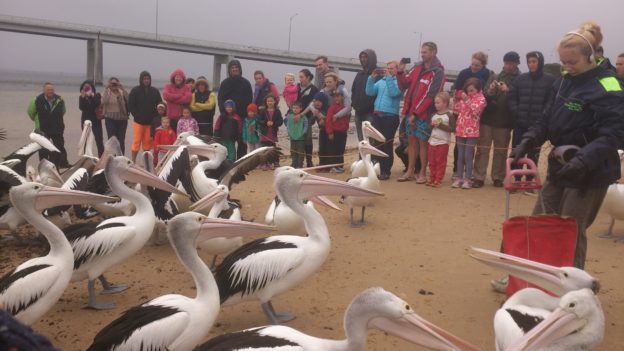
pixel 87 127
pixel 124 168
pixel 289 181
pixel 385 311
pixel 366 148
pixel 221 192
pixel 578 323
pixel 371 132
pixel 40 197
pixel 558 280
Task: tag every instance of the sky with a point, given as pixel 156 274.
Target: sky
pixel 332 27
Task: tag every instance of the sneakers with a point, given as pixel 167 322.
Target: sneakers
pixel 498 183
pixel 467 184
pixel 477 183
pixel 383 176
pixel 457 183
pixel 500 285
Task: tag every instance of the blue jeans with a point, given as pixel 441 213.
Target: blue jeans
pixel 117 128
pixel 465 157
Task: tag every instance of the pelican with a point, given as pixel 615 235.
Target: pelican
pixel 176 322
pixel 86 144
pixel 48 174
pixel 267 267
pixel 219 246
pixel 286 220
pixel 9 217
pixel 576 324
pixel 358 168
pixel 368 182
pixel 612 205
pixel 374 308
pixel 38 142
pixel 31 289
pixel 99 246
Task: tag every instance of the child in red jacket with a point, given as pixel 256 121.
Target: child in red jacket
pixel 165 135
pixel 336 129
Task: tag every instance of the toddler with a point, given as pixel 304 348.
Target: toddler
pixel 297 128
pixel 291 91
pixel 228 127
pixel 164 136
pixel 442 124
pixel 250 128
pixel 187 123
pixel 270 119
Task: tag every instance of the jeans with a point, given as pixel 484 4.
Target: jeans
pixel 465 157
pixel 359 118
pixel 117 128
pixel 387 125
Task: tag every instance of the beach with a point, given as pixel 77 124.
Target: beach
pixel 415 244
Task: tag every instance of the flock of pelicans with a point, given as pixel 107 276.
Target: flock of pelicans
pixel 187 197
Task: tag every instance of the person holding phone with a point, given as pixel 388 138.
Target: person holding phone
pixel 362 103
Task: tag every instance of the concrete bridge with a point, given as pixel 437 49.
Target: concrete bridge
pixel 222 52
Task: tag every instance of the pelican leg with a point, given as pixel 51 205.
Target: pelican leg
pixel 609 233
pixel 93 303
pixel 276 318
pixel 111 288
pixel 353 224
pixel 362 221
pixel 213 264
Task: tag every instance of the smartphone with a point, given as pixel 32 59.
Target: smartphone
pixel 406 60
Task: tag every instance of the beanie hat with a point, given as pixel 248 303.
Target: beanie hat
pixel 229 103
pixel 252 108
pixel 201 79
pixel 511 56
pixel 320 96
pixel 162 104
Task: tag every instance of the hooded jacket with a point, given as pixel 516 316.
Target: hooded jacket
pixel 235 88
pixel 143 100
pixel 586 110
pixel 89 103
pixel 422 85
pixel 263 90
pixel 529 93
pixel 360 101
pixel 176 96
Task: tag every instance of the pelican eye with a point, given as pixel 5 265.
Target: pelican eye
pixel 301 175
pixel 36 187
pixel 408 308
pixel 199 218
pixel 571 304
pixel 565 274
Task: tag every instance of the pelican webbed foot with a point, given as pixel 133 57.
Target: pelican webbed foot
pixel 111 288
pixel 93 303
pixel 276 318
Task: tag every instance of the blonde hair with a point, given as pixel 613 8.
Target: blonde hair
pixel 332 75
pixel 585 39
pixel 393 62
pixel 481 56
pixel 444 96
pixel 289 75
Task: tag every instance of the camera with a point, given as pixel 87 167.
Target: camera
pixel 500 84
pixel 406 60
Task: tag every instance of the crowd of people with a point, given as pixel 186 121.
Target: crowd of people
pixel 485 110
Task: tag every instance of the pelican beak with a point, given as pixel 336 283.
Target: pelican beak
pixel 49 197
pixel 56 175
pixel 321 167
pixel 545 276
pixel 227 228
pixel 415 329
pixel 558 324
pixel 208 200
pixel 169 147
pixel 373 133
pixel 367 148
pixel 86 130
pixel 136 174
pixel 323 201
pixel 43 141
pixel 11 163
pixel 205 150
pixel 314 185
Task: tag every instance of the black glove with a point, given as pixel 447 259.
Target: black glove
pixel 573 172
pixel 522 149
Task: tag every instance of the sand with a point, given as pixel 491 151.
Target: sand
pixel 415 245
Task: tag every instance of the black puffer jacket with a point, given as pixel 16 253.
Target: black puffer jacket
pixel 143 100
pixel 529 93
pixel 361 102
pixel 586 110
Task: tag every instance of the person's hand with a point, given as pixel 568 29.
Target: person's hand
pixel 464 96
pixel 82 94
pixel 270 123
pixel 502 86
pixel 401 66
pixel 435 122
pixel 334 118
pixel 296 118
pixel 492 87
pixel 573 172
pixel 411 120
pixel 522 149
pixel 321 122
pixel 330 136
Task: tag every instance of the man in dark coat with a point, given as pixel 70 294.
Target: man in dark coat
pixel 47 111
pixel 362 103
pixel 527 98
pixel 237 89
pixel 142 103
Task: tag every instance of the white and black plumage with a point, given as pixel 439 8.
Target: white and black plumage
pixel 358 167
pixel 86 144
pixel 38 142
pixel 176 322
pixel 99 246
pixel 9 217
pixel 267 267
pixel 48 174
pixel 286 221
pixel 370 181
pixel 577 323
pixel 175 171
pixel 32 288
pixel 79 180
pixel 375 308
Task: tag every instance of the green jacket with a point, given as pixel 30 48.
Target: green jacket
pixel 496 113
pixel 48 120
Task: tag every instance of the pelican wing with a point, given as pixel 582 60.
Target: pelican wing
pixel 97 183
pixel 256 264
pixel 239 169
pixel 251 339
pixel 24 286
pixel 90 240
pixel 146 327
pixel 77 181
pixel 8 178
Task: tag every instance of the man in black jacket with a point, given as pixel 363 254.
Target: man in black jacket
pixel 47 111
pixel 527 98
pixel 237 89
pixel 362 103
pixel 142 103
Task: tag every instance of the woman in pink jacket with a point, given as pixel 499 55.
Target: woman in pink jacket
pixel 176 94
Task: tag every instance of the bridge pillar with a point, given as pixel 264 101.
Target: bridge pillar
pixel 216 69
pixel 94 60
